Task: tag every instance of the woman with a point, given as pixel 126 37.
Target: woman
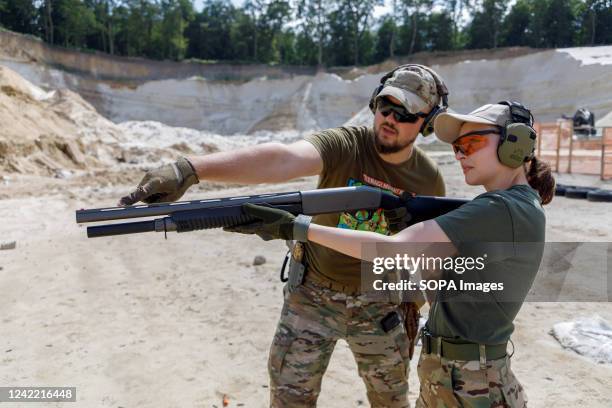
pixel 464 361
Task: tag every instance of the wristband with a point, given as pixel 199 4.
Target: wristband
pixel 300 227
pixel 187 170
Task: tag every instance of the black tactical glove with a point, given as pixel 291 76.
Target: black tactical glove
pixel 163 184
pixel 273 223
pixel 398 218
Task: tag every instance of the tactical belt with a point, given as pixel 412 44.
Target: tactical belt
pixel 462 351
pixel 299 273
pixel 335 286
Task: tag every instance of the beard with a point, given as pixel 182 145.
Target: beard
pixel 385 147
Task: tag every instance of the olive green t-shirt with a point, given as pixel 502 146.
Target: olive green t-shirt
pixel 350 159
pixel 513 216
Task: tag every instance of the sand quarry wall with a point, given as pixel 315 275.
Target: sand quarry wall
pixel 244 99
pixel 57 133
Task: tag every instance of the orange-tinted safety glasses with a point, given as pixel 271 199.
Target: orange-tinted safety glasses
pixel 472 142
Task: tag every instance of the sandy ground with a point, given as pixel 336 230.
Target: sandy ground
pixel 139 321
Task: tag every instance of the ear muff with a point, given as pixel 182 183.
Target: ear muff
pixel 427 127
pixel 518 138
pixel 372 103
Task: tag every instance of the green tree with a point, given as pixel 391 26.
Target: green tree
pixel 385 37
pixel 602 29
pixel 339 49
pixel 102 35
pixel 595 18
pixel 553 24
pixel 306 50
pixel 366 47
pixel 268 18
pixel 209 34
pixel 315 22
pixel 358 14
pixel 455 9
pixel 483 31
pixel 270 28
pixel 336 32
pixel 411 34
pixel 121 15
pixel 242 31
pixel 168 33
pixel 142 16
pixel 285 48
pixel 19 15
pixel 73 21
pixel 516 26
pixel 47 20
pixel 439 32
pixel 255 9
pixel 414 9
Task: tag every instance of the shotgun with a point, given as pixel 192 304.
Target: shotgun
pixel 185 216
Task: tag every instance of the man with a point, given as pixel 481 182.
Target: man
pixel 327 306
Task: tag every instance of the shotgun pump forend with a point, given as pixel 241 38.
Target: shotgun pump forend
pixel 184 216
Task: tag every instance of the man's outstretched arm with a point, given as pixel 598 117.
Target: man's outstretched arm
pixel 265 163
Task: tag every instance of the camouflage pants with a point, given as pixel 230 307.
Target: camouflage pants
pixel 453 383
pixel 312 320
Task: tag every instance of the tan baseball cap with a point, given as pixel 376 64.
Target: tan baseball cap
pixel 414 87
pixel 448 124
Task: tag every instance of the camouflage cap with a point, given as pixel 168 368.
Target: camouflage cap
pixel 414 86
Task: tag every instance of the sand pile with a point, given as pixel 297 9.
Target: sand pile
pixel 58 133
pixel 50 133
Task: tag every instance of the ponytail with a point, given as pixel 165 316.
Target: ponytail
pixel 539 176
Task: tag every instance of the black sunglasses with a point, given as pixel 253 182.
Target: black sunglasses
pixel 385 107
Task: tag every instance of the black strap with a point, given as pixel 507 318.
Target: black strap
pixel 518 112
pixel 284 278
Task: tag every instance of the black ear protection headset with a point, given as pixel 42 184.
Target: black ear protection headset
pixel 518 138
pixel 427 127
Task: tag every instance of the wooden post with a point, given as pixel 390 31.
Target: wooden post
pixel 605 134
pixel 558 147
pixel 603 154
pixel 538 130
pixel 571 136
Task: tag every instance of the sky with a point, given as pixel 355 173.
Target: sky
pixel 378 10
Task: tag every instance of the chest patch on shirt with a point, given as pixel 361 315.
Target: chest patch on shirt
pixel 368 220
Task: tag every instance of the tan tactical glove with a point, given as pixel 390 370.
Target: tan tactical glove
pixel 163 184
